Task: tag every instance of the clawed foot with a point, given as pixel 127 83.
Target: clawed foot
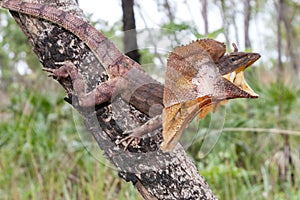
pixel 141 131
pixel 60 73
pixel 133 137
pixel 57 73
pixel 63 72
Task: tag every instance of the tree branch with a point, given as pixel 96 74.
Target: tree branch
pixel 156 175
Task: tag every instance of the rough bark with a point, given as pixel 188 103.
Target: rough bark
pixel 156 175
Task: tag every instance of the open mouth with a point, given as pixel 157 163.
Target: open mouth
pixel 237 75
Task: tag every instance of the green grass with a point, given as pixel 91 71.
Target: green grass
pixel 247 164
pixel 41 154
pixel 43 157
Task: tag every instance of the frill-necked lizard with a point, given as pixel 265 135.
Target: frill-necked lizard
pixel 198 77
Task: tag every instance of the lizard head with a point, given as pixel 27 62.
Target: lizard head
pixel 232 67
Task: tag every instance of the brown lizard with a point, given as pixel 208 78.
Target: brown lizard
pixel 199 76
pixel 195 85
pixel 117 65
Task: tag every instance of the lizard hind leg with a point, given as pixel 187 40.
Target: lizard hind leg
pixel 137 133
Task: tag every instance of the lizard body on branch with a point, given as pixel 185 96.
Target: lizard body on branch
pixel 161 175
pixel 125 74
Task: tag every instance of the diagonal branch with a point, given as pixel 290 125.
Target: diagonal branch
pixel 156 175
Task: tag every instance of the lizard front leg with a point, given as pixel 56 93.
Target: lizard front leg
pixel 137 133
pixel 99 95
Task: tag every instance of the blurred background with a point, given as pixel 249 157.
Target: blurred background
pixel 256 157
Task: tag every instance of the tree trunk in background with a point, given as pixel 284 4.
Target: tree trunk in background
pixel 169 11
pixel 204 16
pixel 247 17
pixel 171 17
pixel 224 19
pixel 130 40
pixel 231 15
pixel 289 37
pixel 280 73
pixel 247 43
pixel 279 52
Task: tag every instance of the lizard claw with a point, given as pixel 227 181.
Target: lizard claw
pixel 61 72
pixel 50 70
pixel 132 137
pixel 137 133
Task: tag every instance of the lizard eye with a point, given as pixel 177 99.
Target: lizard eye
pixel 233 59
